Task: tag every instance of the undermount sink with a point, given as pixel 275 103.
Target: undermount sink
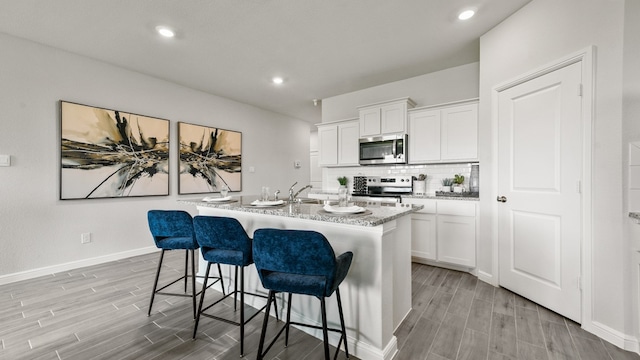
pixel 309 201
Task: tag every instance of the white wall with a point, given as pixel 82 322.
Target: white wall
pixel 631 133
pixel 536 35
pixel 457 83
pixel 36 229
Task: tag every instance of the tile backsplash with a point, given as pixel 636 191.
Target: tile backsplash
pixel 435 173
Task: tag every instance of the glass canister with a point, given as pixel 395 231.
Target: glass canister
pixel 342 195
pixel 474 178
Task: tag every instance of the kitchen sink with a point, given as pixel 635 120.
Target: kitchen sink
pixel 310 201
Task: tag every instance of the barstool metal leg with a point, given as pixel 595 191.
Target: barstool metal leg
pixel 204 289
pixel 325 334
pixel 344 331
pixel 288 323
pixel 155 282
pixel 221 279
pixel 193 281
pixel 272 295
pixel 235 289
pixel 241 310
pixel 186 269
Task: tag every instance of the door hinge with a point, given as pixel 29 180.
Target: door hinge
pixel 579 89
pixel 579 187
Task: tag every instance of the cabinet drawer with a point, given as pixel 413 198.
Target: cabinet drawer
pixel 457 208
pixel 429 205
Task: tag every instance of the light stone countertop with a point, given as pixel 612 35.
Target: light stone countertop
pixel 434 197
pixel 375 214
pixel 409 196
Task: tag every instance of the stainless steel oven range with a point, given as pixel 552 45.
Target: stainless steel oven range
pixel 386 189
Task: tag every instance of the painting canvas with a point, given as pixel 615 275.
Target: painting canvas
pixel 210 158
pixel 109 153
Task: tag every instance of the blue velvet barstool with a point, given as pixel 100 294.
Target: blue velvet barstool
pixel 173 230
pixel 223 240
pixel 300 262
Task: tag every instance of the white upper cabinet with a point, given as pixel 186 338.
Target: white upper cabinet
pixel 348 145
pixel 424 136
pixel 328 145
pixel 447 133
pixel 338 143
pixel 459 132
pixel 389 117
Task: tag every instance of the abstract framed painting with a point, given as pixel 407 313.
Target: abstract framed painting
pixel 210 158
pixel 110 154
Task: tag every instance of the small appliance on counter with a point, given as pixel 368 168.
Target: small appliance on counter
pixel 382 189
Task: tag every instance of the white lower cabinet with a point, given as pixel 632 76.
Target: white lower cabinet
pixel 444 231
pixel 423 230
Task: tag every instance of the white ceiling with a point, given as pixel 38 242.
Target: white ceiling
pixel 232 48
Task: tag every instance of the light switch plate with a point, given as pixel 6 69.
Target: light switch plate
pixel 5 160
pixel 296 164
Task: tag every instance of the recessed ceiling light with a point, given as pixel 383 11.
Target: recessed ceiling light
pixel 467 14
pixel 165 31
pixel 277 80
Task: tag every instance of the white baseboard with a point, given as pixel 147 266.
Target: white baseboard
pixel 48 270
pixel 617 338
pixel 486 277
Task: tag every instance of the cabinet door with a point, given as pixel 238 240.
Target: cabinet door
pixel 423 235
pixel 369 122
pixel 315 171
pixel 460 132
pixel 393 118
pixel 457 239
pixel 348 145
pixel 328 143
pixel 424 136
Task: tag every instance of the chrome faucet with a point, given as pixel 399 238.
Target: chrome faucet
pixel 292 195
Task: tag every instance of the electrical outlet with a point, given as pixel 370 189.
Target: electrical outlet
pixel 85 238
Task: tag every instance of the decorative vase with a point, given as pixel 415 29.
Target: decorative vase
pixel 474 182
pixel 342 195
pixel 419 187
pixel 446 189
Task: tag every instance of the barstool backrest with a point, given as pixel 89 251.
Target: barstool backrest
pixel 172 224
pixel 222 233
pixel 299 252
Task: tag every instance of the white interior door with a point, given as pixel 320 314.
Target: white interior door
pixel 540 174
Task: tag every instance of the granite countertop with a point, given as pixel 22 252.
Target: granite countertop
pixel 442 197
pixel 409 196
pixel 375 214
pixel 635 215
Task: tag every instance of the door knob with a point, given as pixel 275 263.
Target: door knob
pixel 502 199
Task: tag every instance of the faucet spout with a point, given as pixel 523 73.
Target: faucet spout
pixel 301 190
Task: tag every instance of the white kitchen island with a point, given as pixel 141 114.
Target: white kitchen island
pixel 376 294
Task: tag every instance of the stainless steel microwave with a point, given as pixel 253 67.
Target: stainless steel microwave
pixel 389 149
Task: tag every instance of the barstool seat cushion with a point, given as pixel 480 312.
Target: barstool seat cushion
pixel 174 243
pixel 223 240
pixel 172 230
pixel 298 261
pixel 220 256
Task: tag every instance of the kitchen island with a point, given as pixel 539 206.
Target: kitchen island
pixel 376 294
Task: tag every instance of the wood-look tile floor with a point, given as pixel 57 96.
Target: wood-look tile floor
pixel 100 312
